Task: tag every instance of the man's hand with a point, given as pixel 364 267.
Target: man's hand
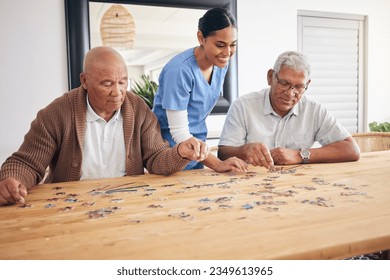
pixel 284 156
pixel 193 149
pixel 258 154
pixel 12 191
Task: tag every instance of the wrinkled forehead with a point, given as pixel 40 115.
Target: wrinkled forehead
pixel 291 70
pixel 108 72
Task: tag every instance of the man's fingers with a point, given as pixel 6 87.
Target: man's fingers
pixel 6 198
pixel 22 190
pixel 251 161
pixel 195 147
pixel 12 191
pixel 267 157
pixel 15 192
pixel 261 159
pixel 205 151
pixel 22 193
pixel 200 149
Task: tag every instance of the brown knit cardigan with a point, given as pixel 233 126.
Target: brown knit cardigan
pixel 56 137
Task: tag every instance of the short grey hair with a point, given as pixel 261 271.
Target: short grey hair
pixel 293 60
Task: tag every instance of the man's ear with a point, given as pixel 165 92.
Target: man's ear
pixel 83 81
pixel 270 76
pixel 307 84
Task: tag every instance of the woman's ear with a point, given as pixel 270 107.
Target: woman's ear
pixel 200 37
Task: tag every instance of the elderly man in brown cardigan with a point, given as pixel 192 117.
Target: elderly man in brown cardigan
pixel 97 130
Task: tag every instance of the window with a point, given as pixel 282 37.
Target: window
pixel 335 46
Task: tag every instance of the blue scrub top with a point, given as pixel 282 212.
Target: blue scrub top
pixel 182 86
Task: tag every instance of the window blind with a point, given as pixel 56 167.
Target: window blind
pixel 333 48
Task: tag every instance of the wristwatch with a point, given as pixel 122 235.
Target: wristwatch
pixel 305 154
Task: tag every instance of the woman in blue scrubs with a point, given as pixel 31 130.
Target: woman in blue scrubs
pixel 191 82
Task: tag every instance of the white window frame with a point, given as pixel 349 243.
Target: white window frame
pixel 362 46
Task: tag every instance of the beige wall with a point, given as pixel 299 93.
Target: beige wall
pixel 33 67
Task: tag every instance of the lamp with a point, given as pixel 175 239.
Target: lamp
pixel 117 28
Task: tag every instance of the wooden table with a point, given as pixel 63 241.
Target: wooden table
pixel 315 211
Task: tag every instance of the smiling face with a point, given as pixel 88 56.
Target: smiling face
pixel 219 47
pixel 105 79
pixel 283 100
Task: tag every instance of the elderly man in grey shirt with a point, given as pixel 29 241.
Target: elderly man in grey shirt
pixel 279 125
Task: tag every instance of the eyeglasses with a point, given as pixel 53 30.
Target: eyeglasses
pixel 284 85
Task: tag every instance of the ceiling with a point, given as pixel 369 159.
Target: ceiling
pixel 160 32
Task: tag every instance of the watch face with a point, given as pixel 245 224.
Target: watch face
pixel 305 153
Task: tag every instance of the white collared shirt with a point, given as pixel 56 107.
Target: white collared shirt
pixel 104 153
pixel 251 119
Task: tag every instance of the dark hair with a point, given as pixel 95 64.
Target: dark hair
pixel 216 19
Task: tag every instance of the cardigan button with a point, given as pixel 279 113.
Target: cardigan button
pixel 75 164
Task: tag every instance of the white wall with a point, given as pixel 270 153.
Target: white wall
pixel 33 69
